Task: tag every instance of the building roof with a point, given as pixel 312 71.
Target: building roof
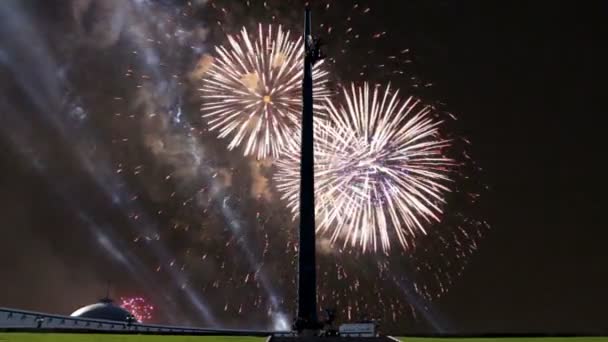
pixel 104 309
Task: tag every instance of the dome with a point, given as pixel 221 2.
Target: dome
pixel 104 309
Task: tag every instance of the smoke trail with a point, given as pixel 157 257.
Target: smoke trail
pixel 34 69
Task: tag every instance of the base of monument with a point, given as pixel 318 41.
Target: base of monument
pixel 300 338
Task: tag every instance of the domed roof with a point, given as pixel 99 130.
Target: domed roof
pixel 104 309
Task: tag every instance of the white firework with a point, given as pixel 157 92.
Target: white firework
pixel 252 92
pixel 380 169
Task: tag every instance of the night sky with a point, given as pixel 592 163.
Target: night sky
pixel 109 173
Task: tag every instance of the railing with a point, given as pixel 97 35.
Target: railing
pixel 22 320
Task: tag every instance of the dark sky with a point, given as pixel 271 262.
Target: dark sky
pixel 82 206
pixel 526 77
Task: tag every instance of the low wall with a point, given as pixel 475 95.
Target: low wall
pixel 31 321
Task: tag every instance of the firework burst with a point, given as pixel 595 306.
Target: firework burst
pixel 380 169
pixel 252 90
pixel 138 307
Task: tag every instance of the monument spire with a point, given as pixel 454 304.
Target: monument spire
pixel 307 282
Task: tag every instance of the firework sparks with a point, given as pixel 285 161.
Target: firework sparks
pixel 380 169
pixel 252 91
pixel 189 206
pixel 138 307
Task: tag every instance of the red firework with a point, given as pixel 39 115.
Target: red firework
pixel 141 310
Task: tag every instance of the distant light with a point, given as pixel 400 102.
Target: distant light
pixel 281 322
